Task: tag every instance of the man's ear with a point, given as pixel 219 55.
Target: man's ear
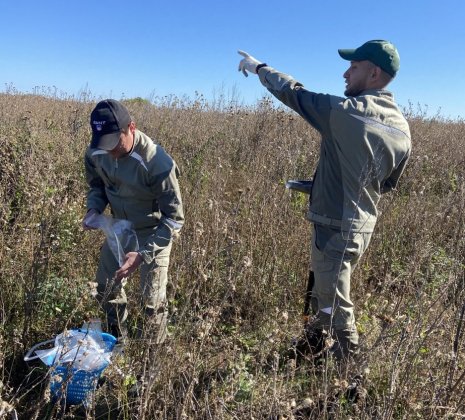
pixel 375 73
pixel 132 127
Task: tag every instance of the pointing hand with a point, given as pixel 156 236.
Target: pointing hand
pixel 248 63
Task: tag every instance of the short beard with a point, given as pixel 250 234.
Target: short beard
pixel 352 92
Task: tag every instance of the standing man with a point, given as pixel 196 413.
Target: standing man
pixel 364 149
pixel 138 179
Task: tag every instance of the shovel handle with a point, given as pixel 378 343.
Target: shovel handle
pixel 308 295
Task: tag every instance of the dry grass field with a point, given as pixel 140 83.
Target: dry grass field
pixel 238 270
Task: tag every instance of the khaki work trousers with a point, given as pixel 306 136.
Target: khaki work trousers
pixel 334 257
pixel 153 282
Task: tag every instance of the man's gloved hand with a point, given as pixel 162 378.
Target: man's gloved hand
pixel 248 63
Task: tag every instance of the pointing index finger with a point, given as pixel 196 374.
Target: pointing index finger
pixel 243 53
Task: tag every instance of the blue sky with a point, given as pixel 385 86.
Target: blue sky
pixel 152 48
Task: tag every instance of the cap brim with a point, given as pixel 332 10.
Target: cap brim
pixel 107 141
pixel 349 54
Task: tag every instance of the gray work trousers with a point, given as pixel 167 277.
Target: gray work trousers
pixel 334 257
pixel 153 282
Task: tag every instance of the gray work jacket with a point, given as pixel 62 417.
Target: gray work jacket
pixel 364 149
pixel 141 187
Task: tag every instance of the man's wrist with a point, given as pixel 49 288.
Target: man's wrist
pixel 260 66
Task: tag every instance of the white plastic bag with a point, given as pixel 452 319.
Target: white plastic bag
pixel 121 237
pixel 85 350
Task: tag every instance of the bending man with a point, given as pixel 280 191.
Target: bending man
pixel 138 179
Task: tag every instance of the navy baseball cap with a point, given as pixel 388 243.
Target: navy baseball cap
pixel 379 52
pixel 107 120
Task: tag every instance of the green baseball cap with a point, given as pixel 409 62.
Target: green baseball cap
pixel 379 52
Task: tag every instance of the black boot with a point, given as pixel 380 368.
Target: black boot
pixel 311 344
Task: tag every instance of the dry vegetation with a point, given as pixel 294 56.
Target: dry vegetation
pixel 238 270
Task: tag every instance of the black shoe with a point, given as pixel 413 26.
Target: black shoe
pixel 310 345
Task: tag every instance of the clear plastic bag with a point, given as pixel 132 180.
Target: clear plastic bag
pixel 85 350
pixel 121 237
